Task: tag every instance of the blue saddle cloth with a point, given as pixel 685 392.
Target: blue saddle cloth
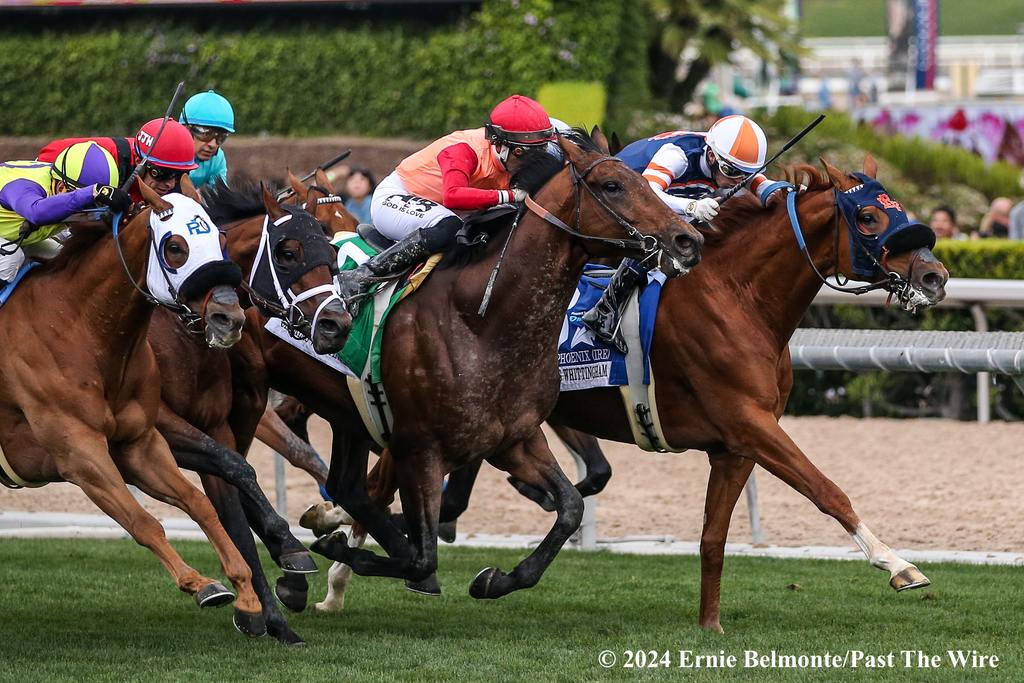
pixel 585 361
pixel 8 289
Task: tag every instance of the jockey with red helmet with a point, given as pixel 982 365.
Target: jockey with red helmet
pixel 173 155
pixel 422 203
pixel 684 169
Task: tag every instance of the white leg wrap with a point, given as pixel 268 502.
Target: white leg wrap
pixel 337 581
pixel 879 554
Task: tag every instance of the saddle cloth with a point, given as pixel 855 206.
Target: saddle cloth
pixel 587 362
pixel 359 360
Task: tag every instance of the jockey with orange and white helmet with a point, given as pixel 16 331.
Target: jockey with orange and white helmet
pixel 684 169
pixel 421 205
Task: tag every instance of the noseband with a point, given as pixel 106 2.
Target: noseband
pixel 648 244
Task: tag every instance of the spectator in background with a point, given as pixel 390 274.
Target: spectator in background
pixel 996 223
pixel 1017 217
pixel 855 76
pixel 824 95
pixel 210 119
pixel 943 224
pixel 359 187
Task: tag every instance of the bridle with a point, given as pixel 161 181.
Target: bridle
pixel 909 297
pixel 648 244
pixel 286 307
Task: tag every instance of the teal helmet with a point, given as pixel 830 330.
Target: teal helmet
pixel 208 109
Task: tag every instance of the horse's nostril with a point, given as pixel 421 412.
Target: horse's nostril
pixel 329 328
pixel 932 281
pixel 221 320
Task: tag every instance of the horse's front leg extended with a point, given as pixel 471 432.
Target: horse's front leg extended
pixel 757 435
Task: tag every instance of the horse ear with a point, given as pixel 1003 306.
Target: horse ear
pixel 150 196
pixel 599 138
pixel 323 181
pixel 189 189
pixel 870 166
pixel 274 209
pixel 297 187
pixel 838 178
pixel 572 151
pixel 616 145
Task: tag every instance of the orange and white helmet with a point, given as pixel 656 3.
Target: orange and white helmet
pixel 739 143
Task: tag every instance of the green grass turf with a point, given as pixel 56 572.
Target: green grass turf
pixel 105 611
pixel 826 18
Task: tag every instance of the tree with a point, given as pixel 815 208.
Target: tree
pixel 710 31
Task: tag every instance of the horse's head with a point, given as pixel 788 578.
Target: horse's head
pixel 883 241
pixel 324 203
pixel 615 209
pixel 296 266
pixel 188 268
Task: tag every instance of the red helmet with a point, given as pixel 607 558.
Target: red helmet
pixel 518 120
pixel 174 149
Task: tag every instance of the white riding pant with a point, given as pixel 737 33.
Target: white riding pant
pixel 11 263
pixel 396 212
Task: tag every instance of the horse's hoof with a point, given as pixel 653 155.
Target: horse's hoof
pixel 214 595
pixel 428 586
pixel 284 635
pixel 485 584
pixel 538 496
pixel 314 513
pixel 300 562
pixel 446 531
pixel 909 578
pixel 333 546
pixel 251 625
pixel 291 597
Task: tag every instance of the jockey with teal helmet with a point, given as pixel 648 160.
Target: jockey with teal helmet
pixel 36 197
pixel 210 119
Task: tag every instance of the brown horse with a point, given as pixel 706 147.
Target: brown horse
pixel 721 385
pixel 464 386
pixel 199 386
pixel 81 387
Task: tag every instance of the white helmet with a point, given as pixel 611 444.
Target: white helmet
pixel 739 142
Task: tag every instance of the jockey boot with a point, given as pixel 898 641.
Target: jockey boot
pixel 603 319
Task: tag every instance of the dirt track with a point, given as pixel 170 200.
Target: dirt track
pixel 918 484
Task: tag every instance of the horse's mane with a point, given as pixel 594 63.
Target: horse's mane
pixel 227 205
pixel 539 167
pixel 744 210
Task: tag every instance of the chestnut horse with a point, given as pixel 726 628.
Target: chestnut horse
pixel 81 387
pixel 199 385
pixel 721 385
pixel 464 386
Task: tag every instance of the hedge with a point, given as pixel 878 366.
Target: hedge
pixel 342 74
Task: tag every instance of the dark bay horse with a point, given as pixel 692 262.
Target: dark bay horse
pixel 81 386
pixel 722 371
pixel 464 386
pixel 199 385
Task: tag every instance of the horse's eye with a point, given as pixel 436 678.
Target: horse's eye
pixel 174 248
pixel 611 187
pixel 867 218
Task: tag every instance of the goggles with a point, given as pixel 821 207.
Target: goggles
pixel 160 173
pixel 208 133
pixel 730 171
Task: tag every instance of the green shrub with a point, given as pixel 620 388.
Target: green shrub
pixel 301 77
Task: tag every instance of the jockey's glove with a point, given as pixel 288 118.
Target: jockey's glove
pixel 703 209
pixel 519 194
pixel 26 230
pixel 117 199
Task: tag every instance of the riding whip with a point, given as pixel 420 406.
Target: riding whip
pixel 145 157
pixel 795 139
pixel 287 192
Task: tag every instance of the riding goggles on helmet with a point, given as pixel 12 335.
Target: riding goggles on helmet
pixel 160 174
pixel 496 133
pixel 730 171
pixel 208 133
pixel 900 236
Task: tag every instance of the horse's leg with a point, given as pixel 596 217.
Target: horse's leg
pixel 196 451
pixel 273 431
pixel 725 483
pixel 587 448
pixel 757 435
pixel 148 463
pixel 338 578
pixel 225 499
pixel 83 459
pixel 532 463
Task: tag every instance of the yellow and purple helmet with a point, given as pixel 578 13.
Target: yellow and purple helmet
pixel 84 164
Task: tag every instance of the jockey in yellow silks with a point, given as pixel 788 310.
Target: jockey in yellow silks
pixel 36 197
